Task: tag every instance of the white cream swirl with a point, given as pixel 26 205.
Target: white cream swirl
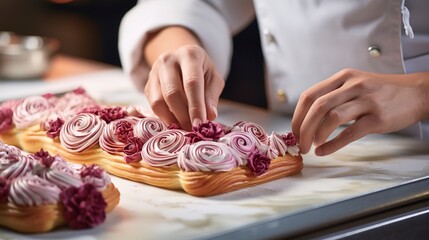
pixel 22 166
pixel 208 156
pixel 81 132
pixel 242 142
pixel 100 181
pixel 148 127
pixel 275 141
pixel 31 111
pixel 269 151
pixel 253 128
pixel 64 115
pixel 59 173
pixel 31 190
pixel 162 149
pixel 74 102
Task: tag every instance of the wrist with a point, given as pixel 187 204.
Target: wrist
pixel 167 39
pixel 424 87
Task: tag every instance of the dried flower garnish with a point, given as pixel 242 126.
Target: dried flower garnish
pixel 6 122
pixel 92 170
pixel 48 95
pixel 44 157
pixel 54 128
pixel 174 126
pixel 84 207
pixel 79 90
pixel 124 130
pixel 208 131
pixel 111 114
pixel 4 189
pixel 133 150
pixel 289 139
pixel 258 163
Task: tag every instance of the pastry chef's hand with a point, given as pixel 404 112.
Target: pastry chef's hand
pixel 183 85
pixel 373 102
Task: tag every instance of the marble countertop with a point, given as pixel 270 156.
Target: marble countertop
pixel 372 164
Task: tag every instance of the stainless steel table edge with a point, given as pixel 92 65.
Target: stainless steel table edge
pixel 308 220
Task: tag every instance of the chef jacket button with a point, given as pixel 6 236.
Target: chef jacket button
pixel 269 37
pixel 374 51
pixel 281 95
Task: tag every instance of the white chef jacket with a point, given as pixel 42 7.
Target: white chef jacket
pixel 303 41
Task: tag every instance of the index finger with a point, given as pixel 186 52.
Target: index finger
pixel 193 84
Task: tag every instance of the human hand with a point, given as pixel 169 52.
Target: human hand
pixel 376 103
pixel 184 87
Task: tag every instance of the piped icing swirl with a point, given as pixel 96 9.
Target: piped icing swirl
pixel 162 149
pixel 114 136
pixel 31 111
pixel 208 156
pixel 58 173
pixel 81 132
pixel 23 164
pixel 31 190
pixel 148 127
pixel 275 141
pixel 253 128
pixel 242 142
pixel 74 101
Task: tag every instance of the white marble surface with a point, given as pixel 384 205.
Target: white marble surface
pixel 373 163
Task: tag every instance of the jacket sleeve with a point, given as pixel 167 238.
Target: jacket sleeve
pixel 213 22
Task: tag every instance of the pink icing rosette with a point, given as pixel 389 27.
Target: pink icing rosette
pixel 81 132
pixel 74 101
pixel 31 190
pixel 114 136
pixel 275 141
pixel 148 127
pixel 31 111
pixel 162 149
pixel 6 122
pixel 21 166
pixel 242 142
pixel 208 156
pixel 253 128
pixel 64 115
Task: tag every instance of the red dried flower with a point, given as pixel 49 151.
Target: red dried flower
pixel 44 157
pixel 124 130
pixel 79 90
pixel 174 126
pixel 4 189
pixel 258 163
pixel 92 170
pixel 111 114
pixel 48 95
pixel 54 128
pixel 208 131
pixel 133 150
pixel 84 207
pixel 289 139
pixel 6 122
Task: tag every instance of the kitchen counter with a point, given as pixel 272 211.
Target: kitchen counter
pixel 372 175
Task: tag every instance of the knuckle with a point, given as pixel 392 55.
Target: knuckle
pixel 171 94
pixel 307 97
pixel 348 134
pixel 322 105
pixel 156 103
pixel 335 116
pixel 167 59
pixel 192 52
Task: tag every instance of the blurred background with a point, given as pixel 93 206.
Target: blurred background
pixel 85 28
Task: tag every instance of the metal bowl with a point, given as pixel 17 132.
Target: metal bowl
pixel 23 57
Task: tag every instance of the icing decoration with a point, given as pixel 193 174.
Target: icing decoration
pixel 208 156
pixel 111 114
pixel 242 142
pixel 253 128
pixel 148 127
pixel 95 175
pixel 30 111
pixel 54 128
pixel 81 132
pixel 21 166
pixel 275 141
pixel 162 149
pixel 124 130
pixel 31 190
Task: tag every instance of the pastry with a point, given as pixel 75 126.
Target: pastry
pixel 209 160
pixel 39 192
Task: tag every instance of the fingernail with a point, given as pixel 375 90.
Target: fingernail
pixel 196 122
pixel 214 109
